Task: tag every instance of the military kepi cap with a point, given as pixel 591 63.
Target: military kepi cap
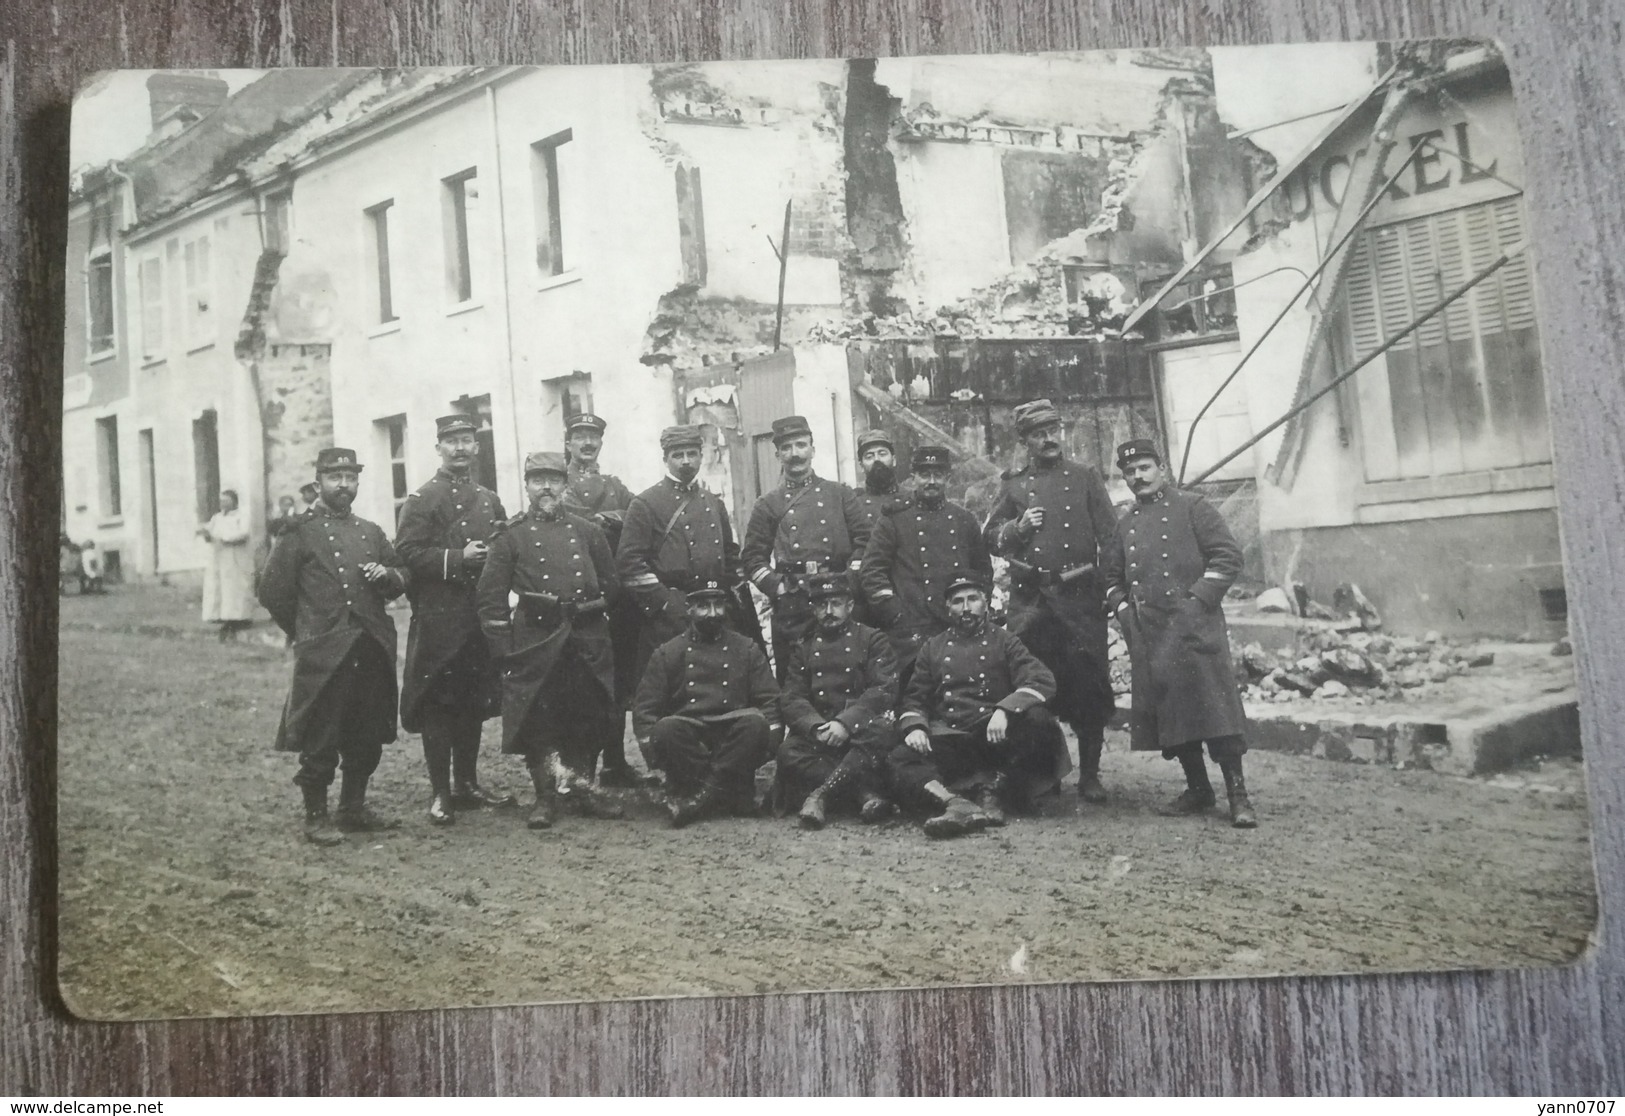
pixel 1031 415
pixel 929 457
pixel 707 587
pixel 1137 447
pixel 875 438
pixel 334 458
pixel 791 426
pixel 585 421
pixel 681 437
pixel 825 585
pixel 963 579
pixel 545 463
pixel 447 425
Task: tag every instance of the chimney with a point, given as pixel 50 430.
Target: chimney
pixel 181 99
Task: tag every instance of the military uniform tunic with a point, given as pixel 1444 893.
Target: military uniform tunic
pixel 851 678
pixel 911 555
pixel 598 497
pixel 553 657
pixel 1063 624
pixel 1172 560
pixel 447 663
pixel 819 524
pixel 675 536
pixel 343 637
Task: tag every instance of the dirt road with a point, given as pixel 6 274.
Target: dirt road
pixel 186 891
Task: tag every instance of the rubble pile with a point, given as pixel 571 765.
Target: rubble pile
pixel 1357 666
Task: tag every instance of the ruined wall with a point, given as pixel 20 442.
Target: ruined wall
pixel 297 411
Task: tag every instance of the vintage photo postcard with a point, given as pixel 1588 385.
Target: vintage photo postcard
pixel 575 533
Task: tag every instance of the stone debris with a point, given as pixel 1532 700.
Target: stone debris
pixel 1353 666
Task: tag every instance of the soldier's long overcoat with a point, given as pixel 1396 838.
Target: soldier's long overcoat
pixel 1173 558
pixel 569 558
pixel 1064 625
pixel 602 499
pixel 313 588
pixel 437 521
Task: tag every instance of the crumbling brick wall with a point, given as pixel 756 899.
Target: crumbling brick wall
pixel 296 408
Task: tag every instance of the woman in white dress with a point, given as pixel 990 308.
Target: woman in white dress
pixel 228 580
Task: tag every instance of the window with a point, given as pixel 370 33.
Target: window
pixel 479 407
pixel 107 474
pixel 569 395
pixel 461 192
pixel 198 296
pixel 99 300
pixel 378 249
pixel 392 440
pixel 1203 306
pixel 278 222
pixel 691 224
pixel 152 308
pixel 206 464
pixel 1464 392
pixel 549 184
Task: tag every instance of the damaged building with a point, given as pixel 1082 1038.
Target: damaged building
pixel 920 244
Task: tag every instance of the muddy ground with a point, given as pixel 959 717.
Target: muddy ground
pixel 186 890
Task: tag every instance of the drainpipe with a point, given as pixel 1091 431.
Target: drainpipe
pixel 505 294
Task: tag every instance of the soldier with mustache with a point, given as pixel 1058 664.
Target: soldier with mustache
pixel 450 685
pixel 1054 521
pixel 326 584
pixel 807 525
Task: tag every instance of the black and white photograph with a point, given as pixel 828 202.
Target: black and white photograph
pixel 576 533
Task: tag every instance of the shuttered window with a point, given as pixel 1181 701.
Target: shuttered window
pixel 1465 392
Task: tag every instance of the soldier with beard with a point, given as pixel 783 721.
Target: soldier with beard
pixel 602 499
pixel 676 534
pixel 450 686
pixel 1167 572
pixel 704 712
pixel 805 525
pixel 838 699
pixel 878 494
pixel 558 696
pixel 326 584
pixel 917 545
pixel 1053 520
pixel 975 716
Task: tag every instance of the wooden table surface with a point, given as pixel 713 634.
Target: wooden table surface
pixel 1538 1032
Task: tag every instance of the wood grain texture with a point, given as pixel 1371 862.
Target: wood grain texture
pixel 1534 1032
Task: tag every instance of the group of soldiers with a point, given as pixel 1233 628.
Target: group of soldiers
pixel 889 687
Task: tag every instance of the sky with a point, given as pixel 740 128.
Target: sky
pixel 112 115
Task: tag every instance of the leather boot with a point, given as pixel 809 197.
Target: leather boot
pixel 812 810
pixel 686 811
pixel 588 801
pixel 992 801
pixel 470 795
pixel 354 815
pixel 466 792
pixel 613 770
pixel 437 738
pixel 319 829
pixel 1235 786
pixel 959 815
pixel 875 809
pixel 1091 742
pixel 441 811
pixel 541 812
pixel 1198 794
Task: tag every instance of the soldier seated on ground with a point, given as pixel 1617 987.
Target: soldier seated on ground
pixel 837 703
pixel 975 721
pixel 704 712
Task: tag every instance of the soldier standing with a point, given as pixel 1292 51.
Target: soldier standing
pixel 326 584
pixel 1166 573
pixel 975 715
pixel 558 683
pixel 676 534
pixel 879 492
pixel 704 712
pixel 602 499
pixel 919 543
pixel 837 703
pixel 805 525
pixel 449 686
pixel 1053 520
